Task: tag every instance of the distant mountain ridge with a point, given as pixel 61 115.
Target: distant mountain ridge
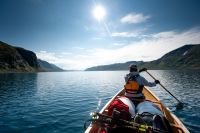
pixel 48 66
pixel 185 57
pixel 16 59
pixel 115 66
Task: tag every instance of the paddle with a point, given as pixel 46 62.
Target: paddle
pixel 103 120
pixel 180 104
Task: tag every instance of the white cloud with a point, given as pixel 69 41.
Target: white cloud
pixel 147 49
pixel 118 44
pixel 50 57
pixel 134 18
pixel 136 33
pixel 124 34
pixel 61 60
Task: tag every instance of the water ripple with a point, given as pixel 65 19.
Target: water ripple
pixel 61 102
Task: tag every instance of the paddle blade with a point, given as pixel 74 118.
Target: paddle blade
pixel 179 105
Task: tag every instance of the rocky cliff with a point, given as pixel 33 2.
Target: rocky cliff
pixel 16 59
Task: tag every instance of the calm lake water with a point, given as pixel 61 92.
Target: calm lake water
pixel 61 101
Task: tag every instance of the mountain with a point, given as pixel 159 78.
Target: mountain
pixel 16 59
pixel 185 57
pixel 44 65
pixel 115 67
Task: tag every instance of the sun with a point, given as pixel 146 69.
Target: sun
pixel 99 12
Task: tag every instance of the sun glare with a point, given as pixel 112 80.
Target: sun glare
pixel 99 12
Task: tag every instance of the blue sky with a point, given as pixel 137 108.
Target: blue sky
pixel 66 33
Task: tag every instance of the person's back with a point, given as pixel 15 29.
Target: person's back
pixel 135 83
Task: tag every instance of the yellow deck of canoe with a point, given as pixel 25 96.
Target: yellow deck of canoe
pixel 176 124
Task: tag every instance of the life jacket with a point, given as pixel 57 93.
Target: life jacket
pixel 132 85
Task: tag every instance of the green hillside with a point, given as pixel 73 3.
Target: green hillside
pixel 186 57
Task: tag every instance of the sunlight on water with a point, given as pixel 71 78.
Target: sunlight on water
pixel 99 104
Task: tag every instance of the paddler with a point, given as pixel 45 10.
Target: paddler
pixel 135 83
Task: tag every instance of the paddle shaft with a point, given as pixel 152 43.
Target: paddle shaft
pixel 164 87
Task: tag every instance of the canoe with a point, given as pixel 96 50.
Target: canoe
pixel 176 125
